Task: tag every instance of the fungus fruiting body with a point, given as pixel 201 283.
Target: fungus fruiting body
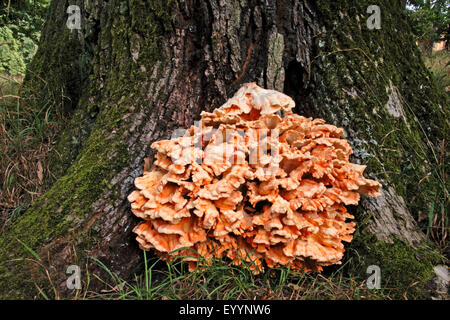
pixel 252 181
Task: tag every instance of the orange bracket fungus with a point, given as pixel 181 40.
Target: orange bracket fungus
pixel 251 181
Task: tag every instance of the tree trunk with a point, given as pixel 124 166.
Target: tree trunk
pixel 139 69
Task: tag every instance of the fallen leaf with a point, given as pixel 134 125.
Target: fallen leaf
pixel 40 172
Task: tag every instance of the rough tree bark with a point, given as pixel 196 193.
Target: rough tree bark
pixel 139 69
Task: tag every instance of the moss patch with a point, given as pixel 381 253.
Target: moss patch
pixel 356 72
pixel 405 270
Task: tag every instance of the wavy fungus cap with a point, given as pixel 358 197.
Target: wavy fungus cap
pixel 251 182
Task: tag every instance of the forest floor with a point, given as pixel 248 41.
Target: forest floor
pixel 27 137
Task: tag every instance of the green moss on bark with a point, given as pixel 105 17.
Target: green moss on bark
pixel 92 148
pixel 60 66
pixel 66 203
pixel 357 73
pixel 405 270
pixel 359 66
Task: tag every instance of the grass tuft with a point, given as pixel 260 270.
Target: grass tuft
pixel 27 137
pixel 221 280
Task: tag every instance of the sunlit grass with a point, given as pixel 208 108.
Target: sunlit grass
pixel 221 280
pixel 27 135
pixel 439 65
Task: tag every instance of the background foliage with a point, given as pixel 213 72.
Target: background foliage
pixel 430 19
pixel 20 29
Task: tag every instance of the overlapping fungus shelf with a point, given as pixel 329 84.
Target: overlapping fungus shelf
pixel 252 181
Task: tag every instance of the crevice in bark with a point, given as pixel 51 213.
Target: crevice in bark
pixel 296 87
